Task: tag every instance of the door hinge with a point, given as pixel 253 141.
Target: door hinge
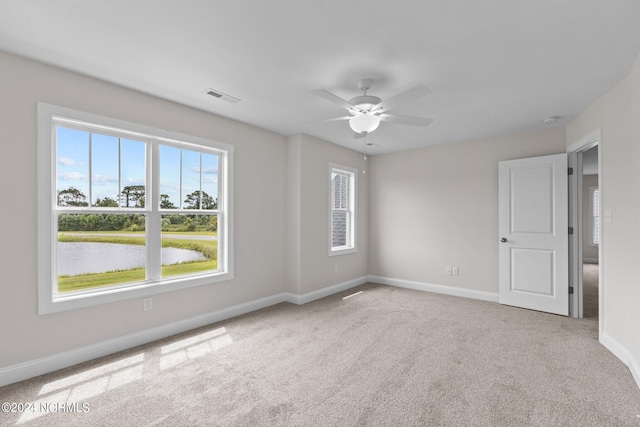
pixel 570 290
pixel 570 171
pixel 570 230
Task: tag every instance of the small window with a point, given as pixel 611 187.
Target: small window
pixel 127 210
pixel 594 208
pixel 342 216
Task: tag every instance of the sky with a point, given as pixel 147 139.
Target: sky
pixel 182 171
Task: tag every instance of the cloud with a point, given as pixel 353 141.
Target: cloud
pixel 71 176
pixel 67 161
pixel 133 181
pixel 104 179
pixel 211 170
pixel 169 188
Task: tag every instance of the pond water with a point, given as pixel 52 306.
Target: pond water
pixel 88 257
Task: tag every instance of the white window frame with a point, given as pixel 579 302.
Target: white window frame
pixel 49 301
pixel 593 214
pixel 352 174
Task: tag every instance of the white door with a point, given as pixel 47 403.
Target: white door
pixel 533 227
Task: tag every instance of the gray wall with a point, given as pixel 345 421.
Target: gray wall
pixel 268 171
pixel 260 262
pixel 311 269
pixel 616 114
pixel 438 207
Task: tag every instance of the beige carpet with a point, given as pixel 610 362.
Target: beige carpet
pixel 385 357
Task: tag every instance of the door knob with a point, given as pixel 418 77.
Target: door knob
pixel 503 240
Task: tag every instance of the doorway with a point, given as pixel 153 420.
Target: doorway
pixel 585 245
pixel 590 232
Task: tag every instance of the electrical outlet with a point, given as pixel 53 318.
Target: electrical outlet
pixel 456 271
pixel 147 304
pixel 335 268
pixel 449 271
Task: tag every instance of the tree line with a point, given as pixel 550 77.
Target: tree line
pixel 133 196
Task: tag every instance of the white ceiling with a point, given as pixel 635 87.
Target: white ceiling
pixel 493 66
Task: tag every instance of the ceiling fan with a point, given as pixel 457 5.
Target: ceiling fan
pixel 367 111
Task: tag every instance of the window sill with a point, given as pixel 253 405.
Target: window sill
pixel 343 250
pixel 74 300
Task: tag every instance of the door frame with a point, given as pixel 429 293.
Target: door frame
pixel 575 152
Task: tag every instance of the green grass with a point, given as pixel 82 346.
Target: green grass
pixel 96 280
pixel 209 248
pixel 121 240
pixel 106 233
pixel 189 268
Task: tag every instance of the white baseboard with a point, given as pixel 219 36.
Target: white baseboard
pixel 622 353
pixel 324 292
pixel 439 289
pixel 33 368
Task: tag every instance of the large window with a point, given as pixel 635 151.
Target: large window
pixel 342 196
pixel 127 210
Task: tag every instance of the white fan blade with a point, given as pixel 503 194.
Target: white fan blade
pixel 357 135
pixel 335 119
pixel 403 98
pixel 406 120
pixel 333 98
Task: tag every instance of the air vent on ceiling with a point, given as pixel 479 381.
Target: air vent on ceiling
pixel 223 96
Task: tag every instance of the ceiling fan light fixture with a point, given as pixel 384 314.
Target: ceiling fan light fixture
pixel 365 102
pixel 364 123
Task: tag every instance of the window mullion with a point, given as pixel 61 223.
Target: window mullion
pixel 222 209
pixel 154 222
pixel 120 171
pixel 181 192
pixel 200 182
pixel 90 169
